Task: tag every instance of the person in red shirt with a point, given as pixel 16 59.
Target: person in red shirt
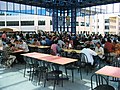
pixel 109 46
pixel 4 36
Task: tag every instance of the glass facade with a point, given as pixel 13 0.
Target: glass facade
pixel 41 22
pixel 82 23
pixel 106 20
pixel 107 27
pixel 2 23
pixel 27 23
pixel 12 23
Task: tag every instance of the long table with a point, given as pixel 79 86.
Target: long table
pixel 74 50
pixel 71 50
pixel 41 47
pixel 110 71
pixel 50 58
pixel 17 51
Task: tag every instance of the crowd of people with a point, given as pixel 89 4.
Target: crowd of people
pixel 89 44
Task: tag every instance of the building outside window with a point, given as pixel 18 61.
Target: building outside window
pixel 41 22
pixel 98 20
pixel 2 23
pixel 50 22
pixel 82 23
pixel 77 23
pixel 98 27
pixel 87 24
pixel 27 23
pixel 106 20
pixel 12 23
pixel 106 27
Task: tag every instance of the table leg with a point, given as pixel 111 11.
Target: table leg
pixel 118 85
pixel 108 80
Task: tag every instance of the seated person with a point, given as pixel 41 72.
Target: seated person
pixel 89 53
pixel 23 46
pixel 17 43
pixel 99 50
pixel 30 40
pixel 109 46
pixel 117 47
pixel 55 48
pixel 36 42
pixel 8 59
pixel 12 40
pixel 43 41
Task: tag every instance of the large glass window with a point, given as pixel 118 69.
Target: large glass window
pixel 82 23
pixel 2 23
pixel 27 23
pixel 77 23
pixel 106 20
pixel 41 22
pixel 87 24
pixel 106 27
pixel 50 22
pixel 12 23
pixel 2 13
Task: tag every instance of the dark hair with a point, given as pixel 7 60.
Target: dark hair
pixel 8 43
pixel 16 40
pixel 4 31
pixel 98 43
pixel 87 46
pixel 108 39
pixel 55 42
pixel 115 41
pixel 20 40
pixel 35 39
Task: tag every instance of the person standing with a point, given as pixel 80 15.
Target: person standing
pixel 4 36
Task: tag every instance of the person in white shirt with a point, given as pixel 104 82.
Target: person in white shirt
pixel 17 44
pixel 99 50
pixel 24 46
pixel 89 53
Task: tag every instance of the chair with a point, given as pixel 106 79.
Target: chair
pixel 55 75
pixel 116 63
pixel 41 70
pixel 31 64
pixel 108 57
pixel 73 66
pixel 100 83
pixel 83 62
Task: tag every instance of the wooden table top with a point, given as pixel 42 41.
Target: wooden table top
pixel 50 58
pixel 109 71
pixel 38 46
pixel 43 46
pixel 72 50
pixel 77 51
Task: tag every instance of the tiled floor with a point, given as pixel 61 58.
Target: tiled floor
pixel 12 79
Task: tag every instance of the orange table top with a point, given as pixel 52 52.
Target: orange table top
pixel 109 71
pixel 50 58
